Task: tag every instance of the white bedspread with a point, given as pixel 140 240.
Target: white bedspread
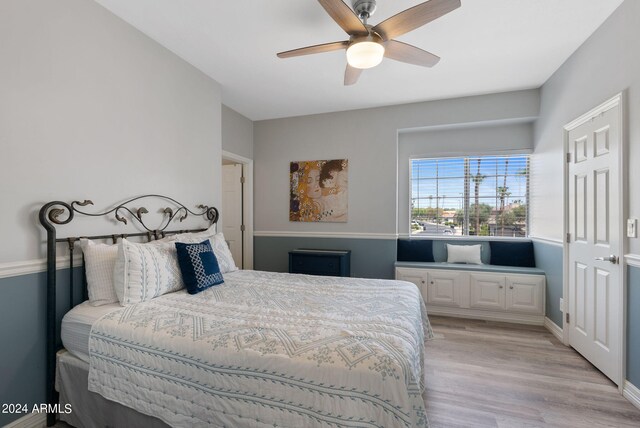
pixel 268 349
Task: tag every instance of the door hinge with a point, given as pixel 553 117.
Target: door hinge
pixel 242 228
pixel 568 157
pixel 242 180
pixel 568 238
pixel 566 317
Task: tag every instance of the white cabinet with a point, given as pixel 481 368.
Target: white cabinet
pixel 444 288
pixel 525 294
pixel 475 294
pixel 487 291
pixel 417 276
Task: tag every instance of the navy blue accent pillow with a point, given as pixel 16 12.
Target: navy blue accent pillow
pixel 512 254
pixel 199 266
pixel 415 250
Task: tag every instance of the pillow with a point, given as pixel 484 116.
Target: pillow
pixel 464 254
pixel 512 254
pixel 199 266
pixel 99 261
pixel 218 244
pixel 145 271
pixel 415 250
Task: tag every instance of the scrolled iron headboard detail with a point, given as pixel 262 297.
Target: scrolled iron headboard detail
pixel 58 213
pixel 56 209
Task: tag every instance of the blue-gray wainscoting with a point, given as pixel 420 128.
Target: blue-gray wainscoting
pixel 549 257
pixel 633 325
pixel 23 334
pixel 370 258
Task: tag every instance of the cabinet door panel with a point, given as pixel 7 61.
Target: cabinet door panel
pixel 417 276
pixel 487 291
pixel 443 288
pixel 524 294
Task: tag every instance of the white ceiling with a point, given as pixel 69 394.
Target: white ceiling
pixel 486 46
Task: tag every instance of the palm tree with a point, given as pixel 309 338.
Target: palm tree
pixel 503 193
pixel 477 179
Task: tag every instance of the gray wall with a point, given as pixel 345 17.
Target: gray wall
pixel 633 325
pixel 89 108
pixel 607 63
pixel 370 258
pixel 237 133
pixel 369 140
pixel 549 258
pixel 92 108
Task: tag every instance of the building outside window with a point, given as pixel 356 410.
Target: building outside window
pixel 470 196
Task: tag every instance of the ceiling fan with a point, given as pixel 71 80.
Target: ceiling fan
pixel 368 44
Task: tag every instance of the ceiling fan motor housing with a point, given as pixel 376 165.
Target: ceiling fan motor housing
pixel 364 8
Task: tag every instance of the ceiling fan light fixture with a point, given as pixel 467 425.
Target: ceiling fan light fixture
pixel 365 54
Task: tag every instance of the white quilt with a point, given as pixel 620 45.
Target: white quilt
pixel 269 350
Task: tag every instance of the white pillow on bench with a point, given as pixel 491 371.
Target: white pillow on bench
pixel 464 254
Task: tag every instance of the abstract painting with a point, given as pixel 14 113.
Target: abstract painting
pixel 318 190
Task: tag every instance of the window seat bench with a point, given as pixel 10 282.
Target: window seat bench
pixel 483 291
pixel 472 268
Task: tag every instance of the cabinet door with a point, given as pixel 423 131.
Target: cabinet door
pixel 487 291
pixel 525 294
pixel 417 276
pixel 443 288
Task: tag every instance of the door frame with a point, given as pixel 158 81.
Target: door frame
pixel 618 100
pixel 247 206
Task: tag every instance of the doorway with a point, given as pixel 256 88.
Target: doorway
pixel 594 248
pixel 236 213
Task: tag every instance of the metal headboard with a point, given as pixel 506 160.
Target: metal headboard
pixel 57 213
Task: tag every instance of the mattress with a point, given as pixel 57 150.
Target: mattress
pixel 76 327
pixel 269 349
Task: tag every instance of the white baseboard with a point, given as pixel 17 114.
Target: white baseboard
pixel 486 315
pixel 554 328
pixel 631 393
pixel 32 420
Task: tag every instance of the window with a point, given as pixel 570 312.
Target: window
pixel 470 196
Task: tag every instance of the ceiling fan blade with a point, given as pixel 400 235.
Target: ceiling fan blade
pixel 415 17
pixel 351 75
pixel 344 16
pixel 325 47
pixel 411 54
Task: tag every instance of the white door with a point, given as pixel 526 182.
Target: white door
pixel 594 244
pixel 231 215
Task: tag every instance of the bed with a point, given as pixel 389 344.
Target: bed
pixel 261 349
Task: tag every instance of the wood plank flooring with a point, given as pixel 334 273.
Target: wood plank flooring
pixel 489 374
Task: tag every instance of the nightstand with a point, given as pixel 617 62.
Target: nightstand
pixel 320 262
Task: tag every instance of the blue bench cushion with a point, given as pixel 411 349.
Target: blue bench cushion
pixel 415 250
pixel 512 254
pixel 472 268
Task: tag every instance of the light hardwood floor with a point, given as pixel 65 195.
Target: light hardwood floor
pixel 489 374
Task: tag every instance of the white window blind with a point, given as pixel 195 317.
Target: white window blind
pixel 470 196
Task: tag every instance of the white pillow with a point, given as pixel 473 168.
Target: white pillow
pixel 218 243
pixel 145 271
pixel 464 254
pixel 99 262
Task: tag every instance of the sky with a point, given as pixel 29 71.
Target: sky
pixel 443 179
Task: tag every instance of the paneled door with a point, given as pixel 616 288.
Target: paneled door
pixel 594 318
pixel 232 214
